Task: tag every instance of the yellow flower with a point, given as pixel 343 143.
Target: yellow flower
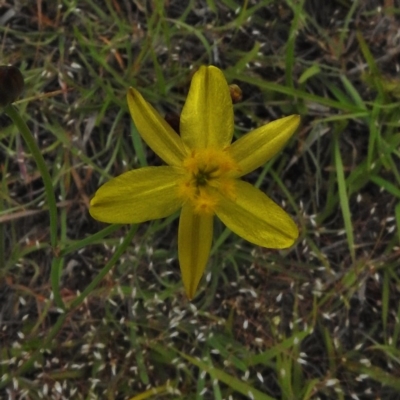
pixel 201 177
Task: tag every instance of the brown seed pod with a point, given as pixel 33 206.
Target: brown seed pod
pixel 11 84
pixel 236 93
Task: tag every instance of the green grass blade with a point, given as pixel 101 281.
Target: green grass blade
pixel 343 196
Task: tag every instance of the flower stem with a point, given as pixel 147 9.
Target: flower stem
pixel 37 155
pixel 51 198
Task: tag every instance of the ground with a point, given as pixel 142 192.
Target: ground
pixel 97 311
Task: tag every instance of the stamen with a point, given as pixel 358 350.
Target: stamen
pixel 207 168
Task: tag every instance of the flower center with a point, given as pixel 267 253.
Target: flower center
pixel 208 174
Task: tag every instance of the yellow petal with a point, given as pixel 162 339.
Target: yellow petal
pixel 256 218
pixel 257 147
pixel 207 116
pixel 194 244
pixel 136 196
pixel 155 131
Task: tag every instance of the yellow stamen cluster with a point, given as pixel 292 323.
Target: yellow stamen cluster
pixel 207 171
